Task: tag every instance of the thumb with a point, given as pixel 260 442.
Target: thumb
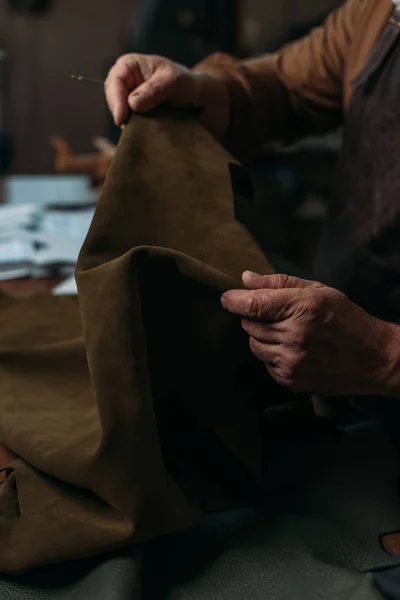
pixel 255 281
pixel 151 93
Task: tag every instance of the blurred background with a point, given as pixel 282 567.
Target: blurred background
pixel 57 138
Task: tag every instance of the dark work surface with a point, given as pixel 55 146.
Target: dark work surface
pixel 333 499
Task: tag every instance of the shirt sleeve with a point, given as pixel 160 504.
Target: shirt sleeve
pixel 294 92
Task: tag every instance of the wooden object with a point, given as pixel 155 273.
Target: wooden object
pixel 95 164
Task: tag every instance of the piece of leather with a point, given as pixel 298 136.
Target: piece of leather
pixel 335 501
pixel 112 432
pixel 5 458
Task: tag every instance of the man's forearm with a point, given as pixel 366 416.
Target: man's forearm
pixel 294 92
pixel 260 108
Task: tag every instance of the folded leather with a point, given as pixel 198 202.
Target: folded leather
pixel 96 421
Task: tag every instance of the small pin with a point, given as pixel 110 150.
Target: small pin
pixel 86 79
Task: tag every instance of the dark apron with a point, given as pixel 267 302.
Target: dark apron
pixel 359 252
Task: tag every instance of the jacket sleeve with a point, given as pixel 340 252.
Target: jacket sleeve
pixel 289 94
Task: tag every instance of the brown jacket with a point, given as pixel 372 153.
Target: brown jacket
pixel 305 87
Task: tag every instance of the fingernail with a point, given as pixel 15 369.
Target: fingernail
pixel 223 302
pixel 252 274
pixel 134 101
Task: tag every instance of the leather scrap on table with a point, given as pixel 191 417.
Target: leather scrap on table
pixel 112 428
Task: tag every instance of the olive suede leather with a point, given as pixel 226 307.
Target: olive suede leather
pixel 89 416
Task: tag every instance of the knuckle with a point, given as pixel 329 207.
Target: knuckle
pixel 311 305
pixel 253 307
pixel 122 60
pixel 283 379
pixel 298 339
pixel 292 386
pixel 295 362
pixel 176 75
pixel 249 306
pixel 260 352
pixel 169 69
pixel 256 349
pixel 153 88
pixel 172 75
pixel 253 346
pixel 287 381
pixel 286 375
pixel 131 57
pixel 290 369
pixel 281 280
pixel 253 328
pixel 158 59
pixel 128 63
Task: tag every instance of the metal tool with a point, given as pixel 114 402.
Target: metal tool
pixel 87 79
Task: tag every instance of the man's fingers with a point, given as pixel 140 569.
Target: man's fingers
pixel 267 353
pixel 116 95
pixel 277 366
pixel 261 305
pixel 152 92
pixel 122 79
pixel 255 281
pixel 267 333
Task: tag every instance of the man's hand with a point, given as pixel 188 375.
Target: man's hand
pixel 141 82
pixel 312 338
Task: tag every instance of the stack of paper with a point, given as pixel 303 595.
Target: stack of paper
pixel 45 190
pixel 16 256
pixel 22 216
pixel 51 249
pixel 66 288
pixel 73 224
pixel 44 223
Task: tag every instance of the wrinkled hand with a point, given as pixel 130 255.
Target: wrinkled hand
pixel 312 338
pixel 141 82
